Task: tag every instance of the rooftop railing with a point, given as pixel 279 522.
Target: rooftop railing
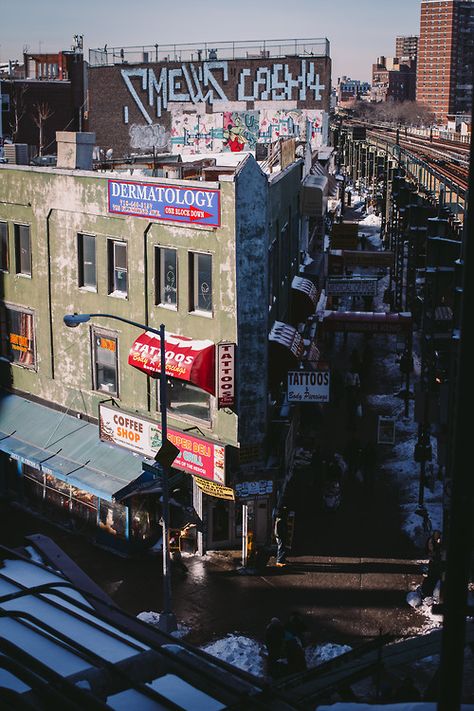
pixel 209 51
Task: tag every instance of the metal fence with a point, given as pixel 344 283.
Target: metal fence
pixel 209 51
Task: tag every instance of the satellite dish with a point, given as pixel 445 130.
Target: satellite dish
pixel 109 153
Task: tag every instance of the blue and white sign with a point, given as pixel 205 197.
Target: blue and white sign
pixel 200 206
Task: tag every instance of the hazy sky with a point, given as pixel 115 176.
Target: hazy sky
pixel 358 30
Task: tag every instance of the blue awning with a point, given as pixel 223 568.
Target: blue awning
pixel 66 447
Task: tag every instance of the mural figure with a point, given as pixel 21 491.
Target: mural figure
pixel 240 130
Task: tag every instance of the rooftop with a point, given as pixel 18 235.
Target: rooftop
pixel 209 51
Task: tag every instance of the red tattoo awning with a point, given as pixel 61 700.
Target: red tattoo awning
pixel 186 359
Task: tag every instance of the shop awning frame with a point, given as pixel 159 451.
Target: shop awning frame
pixel 66 447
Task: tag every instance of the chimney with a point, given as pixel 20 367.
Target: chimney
pixel 75 150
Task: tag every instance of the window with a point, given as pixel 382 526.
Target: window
pixel 200 272
pixel 166 277
pixel 18 336
pixel 105 362
pixel 118 275
pixel 22 250
pixel 3 246
pixel 86 261
pixel 186 400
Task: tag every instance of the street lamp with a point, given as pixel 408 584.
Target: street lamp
pixel 167 618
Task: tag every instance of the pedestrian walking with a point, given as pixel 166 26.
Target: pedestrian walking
pixel 297 626
pixel 435 565
pixel 274 636
pixel 353 401
pixel 281 535
pixel 368 461
pixel 294 654
pixel 352 455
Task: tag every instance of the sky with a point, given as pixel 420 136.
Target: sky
pixel 359 30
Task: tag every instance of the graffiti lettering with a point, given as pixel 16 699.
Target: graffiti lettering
pixel 204 84
pixel 181 84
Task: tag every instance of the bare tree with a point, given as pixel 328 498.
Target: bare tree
pixel 42 113
pixel 18 109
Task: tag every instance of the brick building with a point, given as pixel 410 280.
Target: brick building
pixel 194 99
pixel 445 56
pixel 393 80
pixel 406 47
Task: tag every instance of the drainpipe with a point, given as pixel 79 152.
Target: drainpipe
pixel 50 300
pixel 145 320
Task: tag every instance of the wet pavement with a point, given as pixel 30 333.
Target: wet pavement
pixel 349 569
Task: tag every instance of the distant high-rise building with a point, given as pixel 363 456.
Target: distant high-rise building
pixel 393 79
pixel 406 47
pixel 445 56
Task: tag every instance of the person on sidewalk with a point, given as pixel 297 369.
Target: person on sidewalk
pixel 281 535
pixel 435 565
pixel 368 461
pixel 274 635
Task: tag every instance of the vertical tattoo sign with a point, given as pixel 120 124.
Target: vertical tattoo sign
pixel 225 375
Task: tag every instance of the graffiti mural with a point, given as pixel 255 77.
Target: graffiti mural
pixel 236 131
pixel 193 133
pixel 172 103
pixel 240 130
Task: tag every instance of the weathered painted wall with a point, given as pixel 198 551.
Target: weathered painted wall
pixel 236 131
pixel 60 204
pixel 123 99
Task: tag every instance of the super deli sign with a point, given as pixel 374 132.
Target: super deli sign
pixel 196 456
pixel 173 203
pixel 225 374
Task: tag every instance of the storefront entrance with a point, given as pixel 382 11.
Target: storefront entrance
pixel 224 523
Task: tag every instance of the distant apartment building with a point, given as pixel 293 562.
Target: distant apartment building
pixel 349 90
pixel 406 47
pixel 393 79
pixel 445 56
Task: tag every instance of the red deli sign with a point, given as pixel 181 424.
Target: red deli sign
pixel 197 456
pixel 225 374
pixel 186 359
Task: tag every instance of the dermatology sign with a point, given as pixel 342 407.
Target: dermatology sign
pixel 174 203
pixel 196 456
pixel 308 386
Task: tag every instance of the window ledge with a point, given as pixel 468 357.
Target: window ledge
pixel 119 294
pixel 169 307
pixel 91 289
pixel 23 276
pixel 206 314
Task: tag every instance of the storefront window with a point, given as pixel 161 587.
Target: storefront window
pixel 33 485
pixel 18 336
pixel 104 348
pixel 57 498
pixel 84 507
pixel 113 518
pixel 186 400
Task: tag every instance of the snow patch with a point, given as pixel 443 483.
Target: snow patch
pixel 321 653
pixel 153 618
pixel 242 652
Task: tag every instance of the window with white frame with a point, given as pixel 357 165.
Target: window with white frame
pixel 118 271
pixel 17 328
pixel 200 277
pixel 166 277
pixel 105 361
pixel 22 250
pixel 186 400
pixel 86 262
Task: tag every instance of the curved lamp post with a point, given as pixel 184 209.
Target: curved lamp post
pixel 167 618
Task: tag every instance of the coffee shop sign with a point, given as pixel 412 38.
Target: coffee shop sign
pixel 191 83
